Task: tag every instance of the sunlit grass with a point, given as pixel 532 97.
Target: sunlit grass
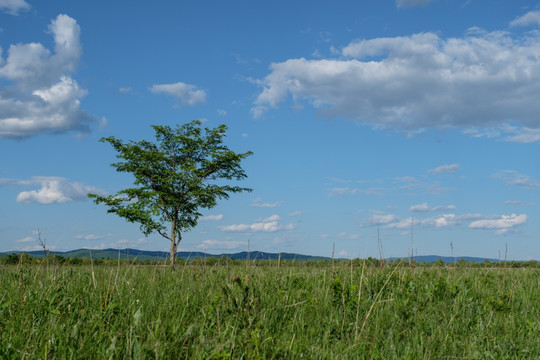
pixel 239 311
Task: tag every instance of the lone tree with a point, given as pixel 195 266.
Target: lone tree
pixel 183 171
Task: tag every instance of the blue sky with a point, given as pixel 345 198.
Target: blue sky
pixel 363 116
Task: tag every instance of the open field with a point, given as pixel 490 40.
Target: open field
pixel 291 311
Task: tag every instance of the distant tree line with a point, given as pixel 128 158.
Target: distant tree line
pixel 53 259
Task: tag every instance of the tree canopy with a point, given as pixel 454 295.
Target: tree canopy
pixel 184 170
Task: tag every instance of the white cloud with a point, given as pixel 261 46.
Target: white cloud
pixel 184 94
pixel 514 178
pixel 89 237
pixel 257 203
pixel 13 7
pixel 390 221
pixel 440 221
pixel 424 207
pixel 271 218
pixel 524 135
pixel 518 203
pixel 445 169
pixel 411 3
pixel 353 191
pixel 54 190
pixel 419 81
pixel 221 112
pixel 125 90
pixel 215 217
pixel 26 240
pixel 345 235
pixel 530 18
pixel 504 222
pixel 41 96
pixel 513 202
pixel 222 245
pixel 37 247
pixel 420 208
pixel 269 224
pixel 379 219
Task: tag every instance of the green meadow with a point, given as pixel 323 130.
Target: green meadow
pixel 268 310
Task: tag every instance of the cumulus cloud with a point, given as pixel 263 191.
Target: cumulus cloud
pixel 40 95
pixel 530 18
pixel 54 190
pixel 184 94
pixel 504 222
pixel 480 80
pixel 215 217
pixel 13 7
pixel 445 169
pixel 269 224
pixel 424 207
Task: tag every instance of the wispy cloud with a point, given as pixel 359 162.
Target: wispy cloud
pixel 518 203
pixel 89 237
pixel 222 245
pixel 215 217
pixel 26 240
pixel 411 3
pixel 445 169
pixel 296 213
pixel 424 207
pixel 514 178
pixel 342 191
pixel 125 90
pixel 258 204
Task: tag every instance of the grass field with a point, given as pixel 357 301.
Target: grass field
pixel 268 312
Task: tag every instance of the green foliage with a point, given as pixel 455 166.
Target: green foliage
pixel 182 172
pixel 14 259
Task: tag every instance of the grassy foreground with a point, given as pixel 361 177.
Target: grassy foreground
pixel 235 312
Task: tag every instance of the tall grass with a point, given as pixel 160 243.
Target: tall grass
pixel 232 312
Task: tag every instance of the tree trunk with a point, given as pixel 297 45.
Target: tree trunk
pixel 174 244
pixel 172 255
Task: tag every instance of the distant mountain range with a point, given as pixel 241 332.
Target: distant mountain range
pixel 244 255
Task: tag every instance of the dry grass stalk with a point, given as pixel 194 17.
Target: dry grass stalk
pixel 377 298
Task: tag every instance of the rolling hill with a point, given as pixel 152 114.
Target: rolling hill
pixel 253 255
